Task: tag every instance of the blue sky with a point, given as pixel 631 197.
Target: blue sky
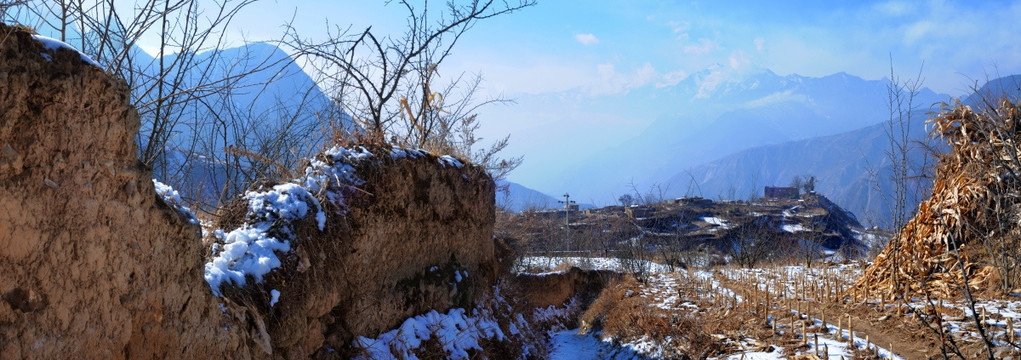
pixel 603 49
pixel 607 44
pixel 606 48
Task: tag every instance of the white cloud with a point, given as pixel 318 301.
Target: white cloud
pixel 738 60
pixel 609 81
pixel 680 29
pixel 918 30
pixel 672 78
pixel 759 41
pixel 704 46
pixel 778 97
pixel 893 8
pixel 586 39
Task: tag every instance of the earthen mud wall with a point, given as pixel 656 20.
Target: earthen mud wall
pixel 94 264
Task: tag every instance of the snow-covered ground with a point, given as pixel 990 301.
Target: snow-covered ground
pixel 570 345
pixel 798 332
pixel 793 228
pixel 456 331
pixel 716 221
pixel 545 264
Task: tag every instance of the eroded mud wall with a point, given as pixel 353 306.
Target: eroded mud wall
pixel 92 264
pixel 95 264
pixel 411 235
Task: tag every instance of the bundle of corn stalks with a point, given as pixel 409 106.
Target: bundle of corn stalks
pixel 973 211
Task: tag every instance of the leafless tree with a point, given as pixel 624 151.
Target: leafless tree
pixel 189 95
pixel 751 242
pixel 387 83
pixel 901 104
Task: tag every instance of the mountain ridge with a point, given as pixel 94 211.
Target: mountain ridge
pixel 762 109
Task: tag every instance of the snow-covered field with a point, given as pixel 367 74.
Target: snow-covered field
pixel 547 263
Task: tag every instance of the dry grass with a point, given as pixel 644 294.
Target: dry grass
pixel 625 313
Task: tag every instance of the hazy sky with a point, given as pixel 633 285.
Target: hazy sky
pixel 608 45
pixel 604 48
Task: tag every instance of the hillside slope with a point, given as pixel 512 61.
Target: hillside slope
pixel 707 123
pixel 843 165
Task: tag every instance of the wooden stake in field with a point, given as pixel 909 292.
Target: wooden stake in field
pixel 817 344
pixel 804 335
pixel 850 332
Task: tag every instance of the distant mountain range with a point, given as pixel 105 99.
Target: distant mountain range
pixel 853 168
pixel 518 198
pixel 713 121
pixel 994 89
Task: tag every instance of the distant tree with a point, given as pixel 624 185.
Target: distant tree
pixel 809 185
pixel 752 242
pixel 626 200
pixel 797 182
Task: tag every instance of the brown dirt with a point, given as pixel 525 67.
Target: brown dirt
pixel 909 338
pixel 556 289
pixel 92 264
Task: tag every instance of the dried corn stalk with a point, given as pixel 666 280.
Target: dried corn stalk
pixel 975 183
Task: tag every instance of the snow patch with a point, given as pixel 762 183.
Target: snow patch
pixel 457 332
pixel 793 228
pixel 449 160
pixel 251 249
pixel 172 198
pixel 274 297
pixel 586 263
pixel 716 221
pixel 54 44
pixel 401 153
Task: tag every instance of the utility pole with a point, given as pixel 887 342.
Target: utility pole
pixel 567 216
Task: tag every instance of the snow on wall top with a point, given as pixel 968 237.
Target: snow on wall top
pixel 252 248
pixel 54 44
pixel 172 198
